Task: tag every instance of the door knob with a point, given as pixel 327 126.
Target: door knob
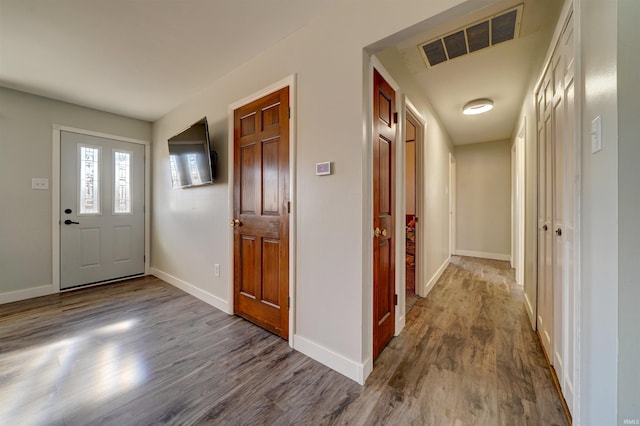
pixel 69 222
pixel 377 232
pixel 235 222
pixel 558 232
pixel 384 232
pixel 545 227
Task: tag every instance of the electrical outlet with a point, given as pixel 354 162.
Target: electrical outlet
pixel 39 183
pixel 216 269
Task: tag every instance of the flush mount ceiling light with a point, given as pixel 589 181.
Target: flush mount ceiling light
pixel 477 106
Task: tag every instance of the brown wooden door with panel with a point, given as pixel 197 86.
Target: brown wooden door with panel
pixel 384 297
pixel 261 212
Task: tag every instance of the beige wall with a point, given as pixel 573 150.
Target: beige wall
pixel 599 215
pixel 628 211
pixel 190 231
pixel 483 197
pixel 26 126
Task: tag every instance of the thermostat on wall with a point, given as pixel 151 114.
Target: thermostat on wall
pixel 323 169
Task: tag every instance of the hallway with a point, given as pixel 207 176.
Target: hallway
pixel 467 356
pixel 143 352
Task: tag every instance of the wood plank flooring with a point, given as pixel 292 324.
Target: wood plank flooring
pixel 143 352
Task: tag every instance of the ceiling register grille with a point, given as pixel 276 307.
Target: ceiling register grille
pixel 493 30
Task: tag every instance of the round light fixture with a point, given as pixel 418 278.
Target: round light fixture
pixel 477 106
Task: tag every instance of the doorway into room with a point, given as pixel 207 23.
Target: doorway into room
pixel 411 210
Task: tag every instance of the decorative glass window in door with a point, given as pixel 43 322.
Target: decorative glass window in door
pixel 89 180
pixel 122 181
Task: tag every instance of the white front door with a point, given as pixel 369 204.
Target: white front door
pixel 102 209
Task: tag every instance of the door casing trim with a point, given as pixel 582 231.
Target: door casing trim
pixel 55 195
pixel 289 81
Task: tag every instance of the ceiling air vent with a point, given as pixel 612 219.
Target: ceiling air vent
pixel 495 29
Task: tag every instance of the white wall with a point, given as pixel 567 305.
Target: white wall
pixel 26 125
pixel 599 215
pixel 483 192
pixel 190 227
pixel 628 211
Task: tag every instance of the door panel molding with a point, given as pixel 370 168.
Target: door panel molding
pixel 290 82
pixel 57 130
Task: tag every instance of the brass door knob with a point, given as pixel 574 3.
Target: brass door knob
pixel 235 222
pixel 377 232
pixel 384 232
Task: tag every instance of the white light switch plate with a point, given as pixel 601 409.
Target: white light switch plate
pixel 39 183
pixel 596 135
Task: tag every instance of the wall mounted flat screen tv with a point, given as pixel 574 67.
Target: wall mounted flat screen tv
pixel 191 159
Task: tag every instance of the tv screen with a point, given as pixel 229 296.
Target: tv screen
pixel 190 157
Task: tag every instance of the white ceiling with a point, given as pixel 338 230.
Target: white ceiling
pixel 500 72
pixel 142 58
pixel 138 58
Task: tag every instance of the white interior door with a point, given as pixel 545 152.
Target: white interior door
pixel 557 200
pixel 102 209
pixel 545 318
pixel 558 158
pixel 567 379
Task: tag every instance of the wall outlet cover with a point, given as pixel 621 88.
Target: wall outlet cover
pixel 39 183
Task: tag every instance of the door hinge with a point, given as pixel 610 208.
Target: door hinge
pixel 288 206
pixel 288 301
pixel 395 299
pixel 289 111
pixel 395 117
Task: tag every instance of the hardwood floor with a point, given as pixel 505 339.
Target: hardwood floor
pixel 144 352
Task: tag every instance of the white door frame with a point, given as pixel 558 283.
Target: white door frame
pixel 514 224
pixel 518 202
pixel 421 235
pixel 55 196
pixel 290 82
pixel 452 205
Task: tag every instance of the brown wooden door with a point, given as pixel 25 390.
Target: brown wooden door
pixel 384 100
pixel 260 207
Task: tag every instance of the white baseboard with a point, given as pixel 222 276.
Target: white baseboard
pixel 483 255
pixel 206 297
pixel 529 307
pixel 436 276
pixel 351 369
pixel 402 320
pixel 29 293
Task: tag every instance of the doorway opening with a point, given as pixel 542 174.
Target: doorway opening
pixel 412 204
